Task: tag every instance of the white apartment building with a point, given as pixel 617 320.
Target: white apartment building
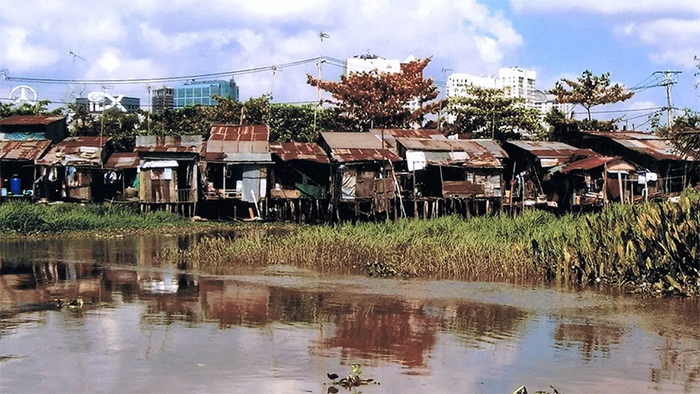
pixel 544 102
pixel 457 83
pixel 518 83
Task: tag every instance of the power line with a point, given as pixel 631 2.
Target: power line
pixel 162 79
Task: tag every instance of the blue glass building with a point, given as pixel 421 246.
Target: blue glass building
pixel 201 92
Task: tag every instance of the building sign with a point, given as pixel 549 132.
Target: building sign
pixel 100 101
pixel 21 94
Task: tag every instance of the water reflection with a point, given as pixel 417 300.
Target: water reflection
pixel 135 305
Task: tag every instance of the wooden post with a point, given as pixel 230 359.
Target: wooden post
pixel 622 191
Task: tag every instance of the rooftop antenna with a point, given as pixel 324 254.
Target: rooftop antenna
pixel 323 35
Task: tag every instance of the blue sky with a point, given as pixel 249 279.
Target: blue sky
pixel 145 39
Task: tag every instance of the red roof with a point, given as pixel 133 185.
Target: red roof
pixel 349 155
pixel 259 132
pixel 73 144
pixel 588 163
pixel 310 151
pixel 23 150
pixel 122 160
pixel 30 120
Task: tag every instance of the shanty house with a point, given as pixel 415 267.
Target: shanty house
pixel 534 162
pixel 72 169
pixel 121 174
pixel 236 162
pixel 363 170
pixel 33 127
pixel 452 168
pixel 17 169
pixel 168 170
pixel 596 180
pixel 663 169
pixel 302 172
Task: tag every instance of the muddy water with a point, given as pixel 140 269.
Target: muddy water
pixel 146 326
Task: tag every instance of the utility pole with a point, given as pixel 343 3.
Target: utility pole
pixel 669 79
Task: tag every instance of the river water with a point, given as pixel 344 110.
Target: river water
pixel 146 326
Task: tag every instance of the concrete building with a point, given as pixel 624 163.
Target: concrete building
pixel 162 99
pixel 369 62
pixel 545 102
pixel 518 83
pixel 457 83
pixel 202 92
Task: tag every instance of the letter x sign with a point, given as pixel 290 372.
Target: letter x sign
pixel 98 101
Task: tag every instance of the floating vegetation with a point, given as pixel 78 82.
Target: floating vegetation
pixel 349 382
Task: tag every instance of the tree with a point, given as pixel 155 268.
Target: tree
pixel 686 132
pixel 590 90
pixel 382 100
pixel 561 126
pixel 489 113
pixel 38 108
pixel 122 127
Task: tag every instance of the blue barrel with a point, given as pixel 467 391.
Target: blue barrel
pixel 15 185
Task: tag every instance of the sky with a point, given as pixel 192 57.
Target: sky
pixel 78 40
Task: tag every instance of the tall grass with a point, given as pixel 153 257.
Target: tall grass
pixel 26 218
pixel 651 247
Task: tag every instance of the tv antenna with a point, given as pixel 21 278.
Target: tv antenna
pixel 76 56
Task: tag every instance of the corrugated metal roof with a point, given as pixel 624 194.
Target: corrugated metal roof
pixel 76 151
pixel 336 140
pixel 349 155
pixel 122 160
pixel 258 132
pixel 247 143
pixel 184 144
pixel 310 151
pixel 494 147
pixel 551 149
pixel 644 143
pixel 239 157
pixel 23 150
pixel 589 163
pixel 30 120
pixel 474 154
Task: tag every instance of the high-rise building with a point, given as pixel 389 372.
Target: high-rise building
pixel 518 83
pixel 458 83
pixel 545 102
pixel 202 92
pixel 162 99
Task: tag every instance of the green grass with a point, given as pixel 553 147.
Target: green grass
pixel 654 248
pixel 21 218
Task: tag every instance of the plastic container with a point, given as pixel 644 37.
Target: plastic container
pixel 15 185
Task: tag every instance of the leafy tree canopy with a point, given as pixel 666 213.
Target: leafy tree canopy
pixel 382 100
pixel 590 90
pixel 489 113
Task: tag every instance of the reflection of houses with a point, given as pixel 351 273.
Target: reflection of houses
pixel 236 162
pixel 363 171
pixel 665 170
pixel 17 170
pixel 33 127
pixel 169 174
pixel 534 162
pixel 452 169
pixel 596 180
pixel 121 171
pixel 234 304
pixel 299 180
pixel 73 168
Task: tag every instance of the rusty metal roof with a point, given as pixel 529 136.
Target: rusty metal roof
pixel 310 151
pixel 590 163
pixel 76 151
pixel 551 149
pixel 222 132
pixel 473 154
pixel 390 135
pixel 122 160
pixel 23 150
pixel 492 146
pixel 182 144
pixel 349 155
pixel 645 143
pixel 336 140
pixel 30 120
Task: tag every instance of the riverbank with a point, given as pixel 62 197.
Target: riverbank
pixel 19 219
pixel 650 248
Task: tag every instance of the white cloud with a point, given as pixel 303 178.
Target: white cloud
pixel 609 7
pixel 141 40
pixel 673 41
pixel 21 55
